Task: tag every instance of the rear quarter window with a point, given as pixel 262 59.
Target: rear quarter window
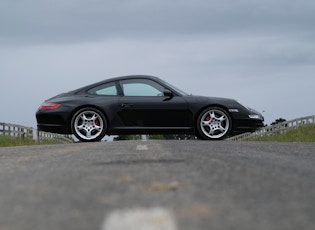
pixel 108 89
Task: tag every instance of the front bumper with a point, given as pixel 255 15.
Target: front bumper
pixel 248 120
pixel 247 125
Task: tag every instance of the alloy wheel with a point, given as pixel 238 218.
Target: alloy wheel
pixel 89 125
pixel 214 123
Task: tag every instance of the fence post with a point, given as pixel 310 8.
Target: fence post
pixel 37 134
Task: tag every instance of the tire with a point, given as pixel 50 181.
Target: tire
pixel 89 125
pixel 214 123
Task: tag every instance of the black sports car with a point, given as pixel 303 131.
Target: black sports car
pixel 143 105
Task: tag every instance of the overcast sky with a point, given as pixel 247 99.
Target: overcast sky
pixel 261 53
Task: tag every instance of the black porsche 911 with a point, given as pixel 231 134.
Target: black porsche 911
pixel 143 105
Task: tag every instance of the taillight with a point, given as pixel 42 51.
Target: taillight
pixel 49 106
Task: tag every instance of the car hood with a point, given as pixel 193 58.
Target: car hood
pixel 227 102
pixel 219 100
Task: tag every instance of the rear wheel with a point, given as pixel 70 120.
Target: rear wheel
pixel 88 125
pixel 214 123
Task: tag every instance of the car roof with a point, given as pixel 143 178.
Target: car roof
pixel 130 77
pixel 116 79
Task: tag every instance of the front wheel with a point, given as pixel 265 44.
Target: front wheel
pixel 88 125
pixel 214 123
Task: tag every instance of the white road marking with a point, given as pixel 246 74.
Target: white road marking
pixel 142 147
pixel 140 219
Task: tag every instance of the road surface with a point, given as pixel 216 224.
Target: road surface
pixel 172 185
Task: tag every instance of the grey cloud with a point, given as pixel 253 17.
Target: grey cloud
pixel 259 52
pixel 80 21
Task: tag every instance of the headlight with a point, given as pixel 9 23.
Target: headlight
pixel 254 116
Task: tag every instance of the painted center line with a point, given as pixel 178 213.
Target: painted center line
pixel 140 219
pixel 142 147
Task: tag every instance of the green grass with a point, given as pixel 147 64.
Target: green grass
pixel 302 134
pixel 7 141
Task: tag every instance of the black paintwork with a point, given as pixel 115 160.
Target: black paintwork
pixel 172 113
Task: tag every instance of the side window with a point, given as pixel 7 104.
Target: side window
pixel 108 89
pixel 141 87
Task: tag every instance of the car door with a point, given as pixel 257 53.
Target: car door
pixel 144 104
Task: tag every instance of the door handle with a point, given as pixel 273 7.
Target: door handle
pixel 126 105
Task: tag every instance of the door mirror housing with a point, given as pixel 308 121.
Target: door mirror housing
pixel 168 93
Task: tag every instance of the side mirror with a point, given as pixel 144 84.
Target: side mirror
pixel 167 93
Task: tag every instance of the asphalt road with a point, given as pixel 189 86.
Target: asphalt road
pixel 172 185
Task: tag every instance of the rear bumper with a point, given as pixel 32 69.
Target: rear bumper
pixel 52 128
pixel 53 122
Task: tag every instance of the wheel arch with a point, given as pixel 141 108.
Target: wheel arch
pixel 209 106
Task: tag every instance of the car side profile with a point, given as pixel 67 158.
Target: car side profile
pixel 140 104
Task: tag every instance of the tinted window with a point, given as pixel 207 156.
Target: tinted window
pixel 108 89
pixel 141 87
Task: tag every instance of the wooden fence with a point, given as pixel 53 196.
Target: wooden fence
pixel 31 133
pixel 28 132
pixel 16 130
pixel 277 128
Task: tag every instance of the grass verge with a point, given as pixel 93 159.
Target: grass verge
pixel 7 141
pixel 304 133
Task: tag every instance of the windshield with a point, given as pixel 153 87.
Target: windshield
pixel 181 92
